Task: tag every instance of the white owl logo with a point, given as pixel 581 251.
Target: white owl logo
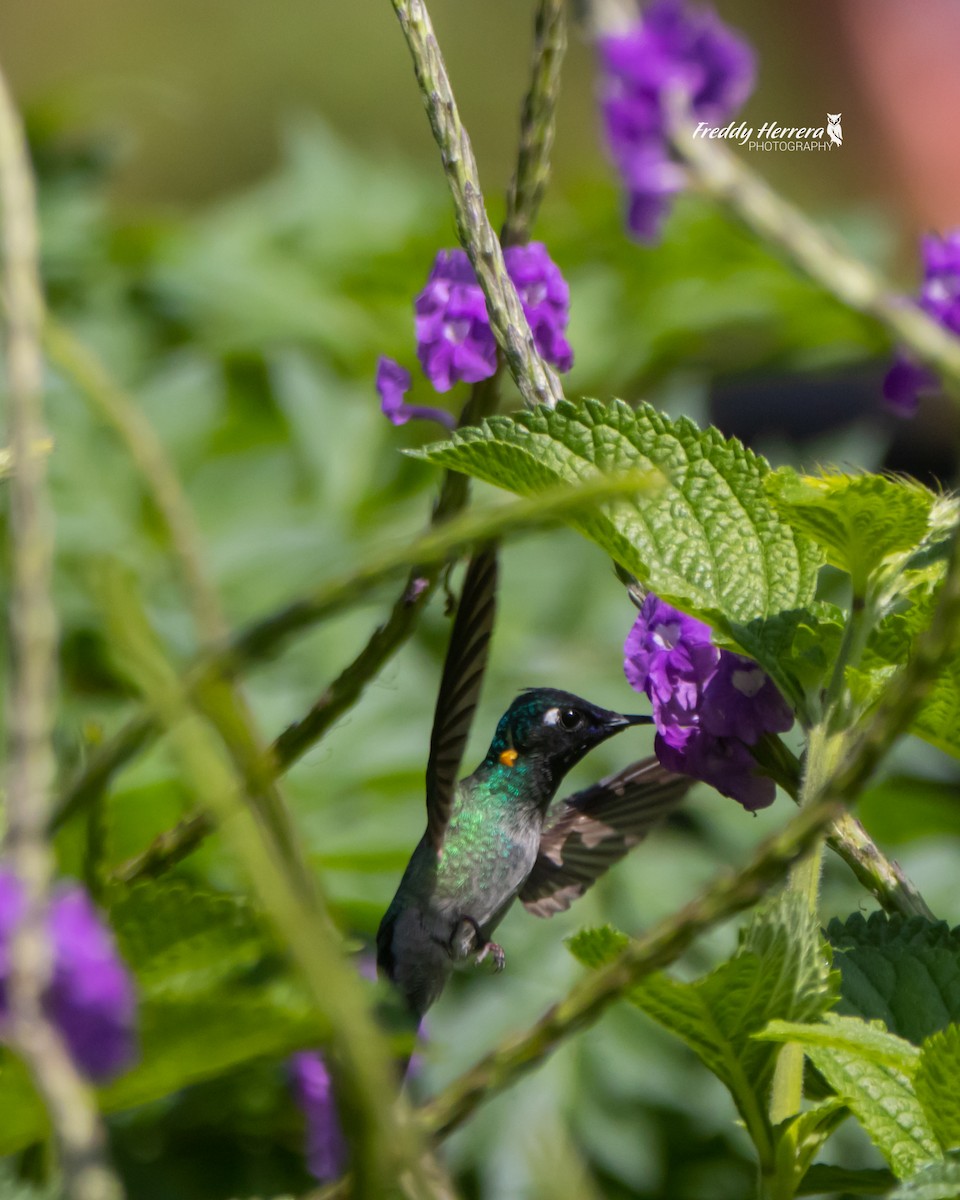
pixel 834 132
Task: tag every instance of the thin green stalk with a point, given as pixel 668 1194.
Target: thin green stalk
pixel 804 878
pixel 721 175
pixel 883 877
pixel 537 383
pixel 33 638
pixel 537 123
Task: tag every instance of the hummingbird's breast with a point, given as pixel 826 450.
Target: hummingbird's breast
pixel 488 851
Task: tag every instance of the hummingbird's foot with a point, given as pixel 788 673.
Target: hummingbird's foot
pixel 496 953
pixel 467 939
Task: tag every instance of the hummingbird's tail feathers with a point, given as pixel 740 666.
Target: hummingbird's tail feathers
pixel 460 686
pixel 585 834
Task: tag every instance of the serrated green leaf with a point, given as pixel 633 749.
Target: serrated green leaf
pixel 779 968
pixel 890 645
pixel 936 1084
pixel 598 946
pixel 823 1179
pixel 939 1181
pixel 904 972
pixel 861 522
pixel 182 1042
pixel 709 540
pixel 883 1101
pixel 863 1039
pixel 177 937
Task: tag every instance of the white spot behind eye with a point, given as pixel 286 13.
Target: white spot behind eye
pixel 551 716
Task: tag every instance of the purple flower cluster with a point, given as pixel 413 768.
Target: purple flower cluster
pixel 709 705
pixel 91 997
pixel 907 381
pixel 454 340
pixel 670 49
pixel 313 1089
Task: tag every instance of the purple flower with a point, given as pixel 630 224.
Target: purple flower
pixel 454 340
pixel 91 997
pixel 313 1090
pixel 670 49
pixel 741 701
pixel 709 705
pixel 393 382
pixel 724 763
pixel 545 299
pixel 907 381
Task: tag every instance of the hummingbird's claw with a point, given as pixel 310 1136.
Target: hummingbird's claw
pixel 496 953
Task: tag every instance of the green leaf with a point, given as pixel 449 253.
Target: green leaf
pixel 778 969
pixel 799 1140
pixel 596 947
pixel 862 522
pixel 902 808
pixel 905 973
pixel 797 647
pixel 938 721
pixel 884 1103
pixel 709 540
pixel 866 1040
pixel 823 1180
pixel 939 1181
pixel 182 1042
pixel 936 1084
pixel 180 938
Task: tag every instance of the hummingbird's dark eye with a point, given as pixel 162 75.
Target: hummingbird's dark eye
pixel 569 719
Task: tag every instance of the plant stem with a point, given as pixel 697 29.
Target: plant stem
pixel 537 383
pixel 537 123
pixel 33 635
pixel 804 878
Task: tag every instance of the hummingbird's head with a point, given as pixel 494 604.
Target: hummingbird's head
pixel 552 730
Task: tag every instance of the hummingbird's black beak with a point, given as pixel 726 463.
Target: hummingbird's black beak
pixel 622 720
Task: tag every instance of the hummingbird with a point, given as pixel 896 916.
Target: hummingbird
pixel 496 835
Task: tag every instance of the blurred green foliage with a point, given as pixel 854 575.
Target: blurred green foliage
pixel 249 334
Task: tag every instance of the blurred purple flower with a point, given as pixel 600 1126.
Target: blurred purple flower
pixel 670 49
pixel 709 705
pixel 393 382
pixel 313 1090
pixel 907 381
pixel 454 340
pixel 91 997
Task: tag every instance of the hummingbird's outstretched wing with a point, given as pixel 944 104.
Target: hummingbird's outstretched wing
pixel 460 686
pixel 588 832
